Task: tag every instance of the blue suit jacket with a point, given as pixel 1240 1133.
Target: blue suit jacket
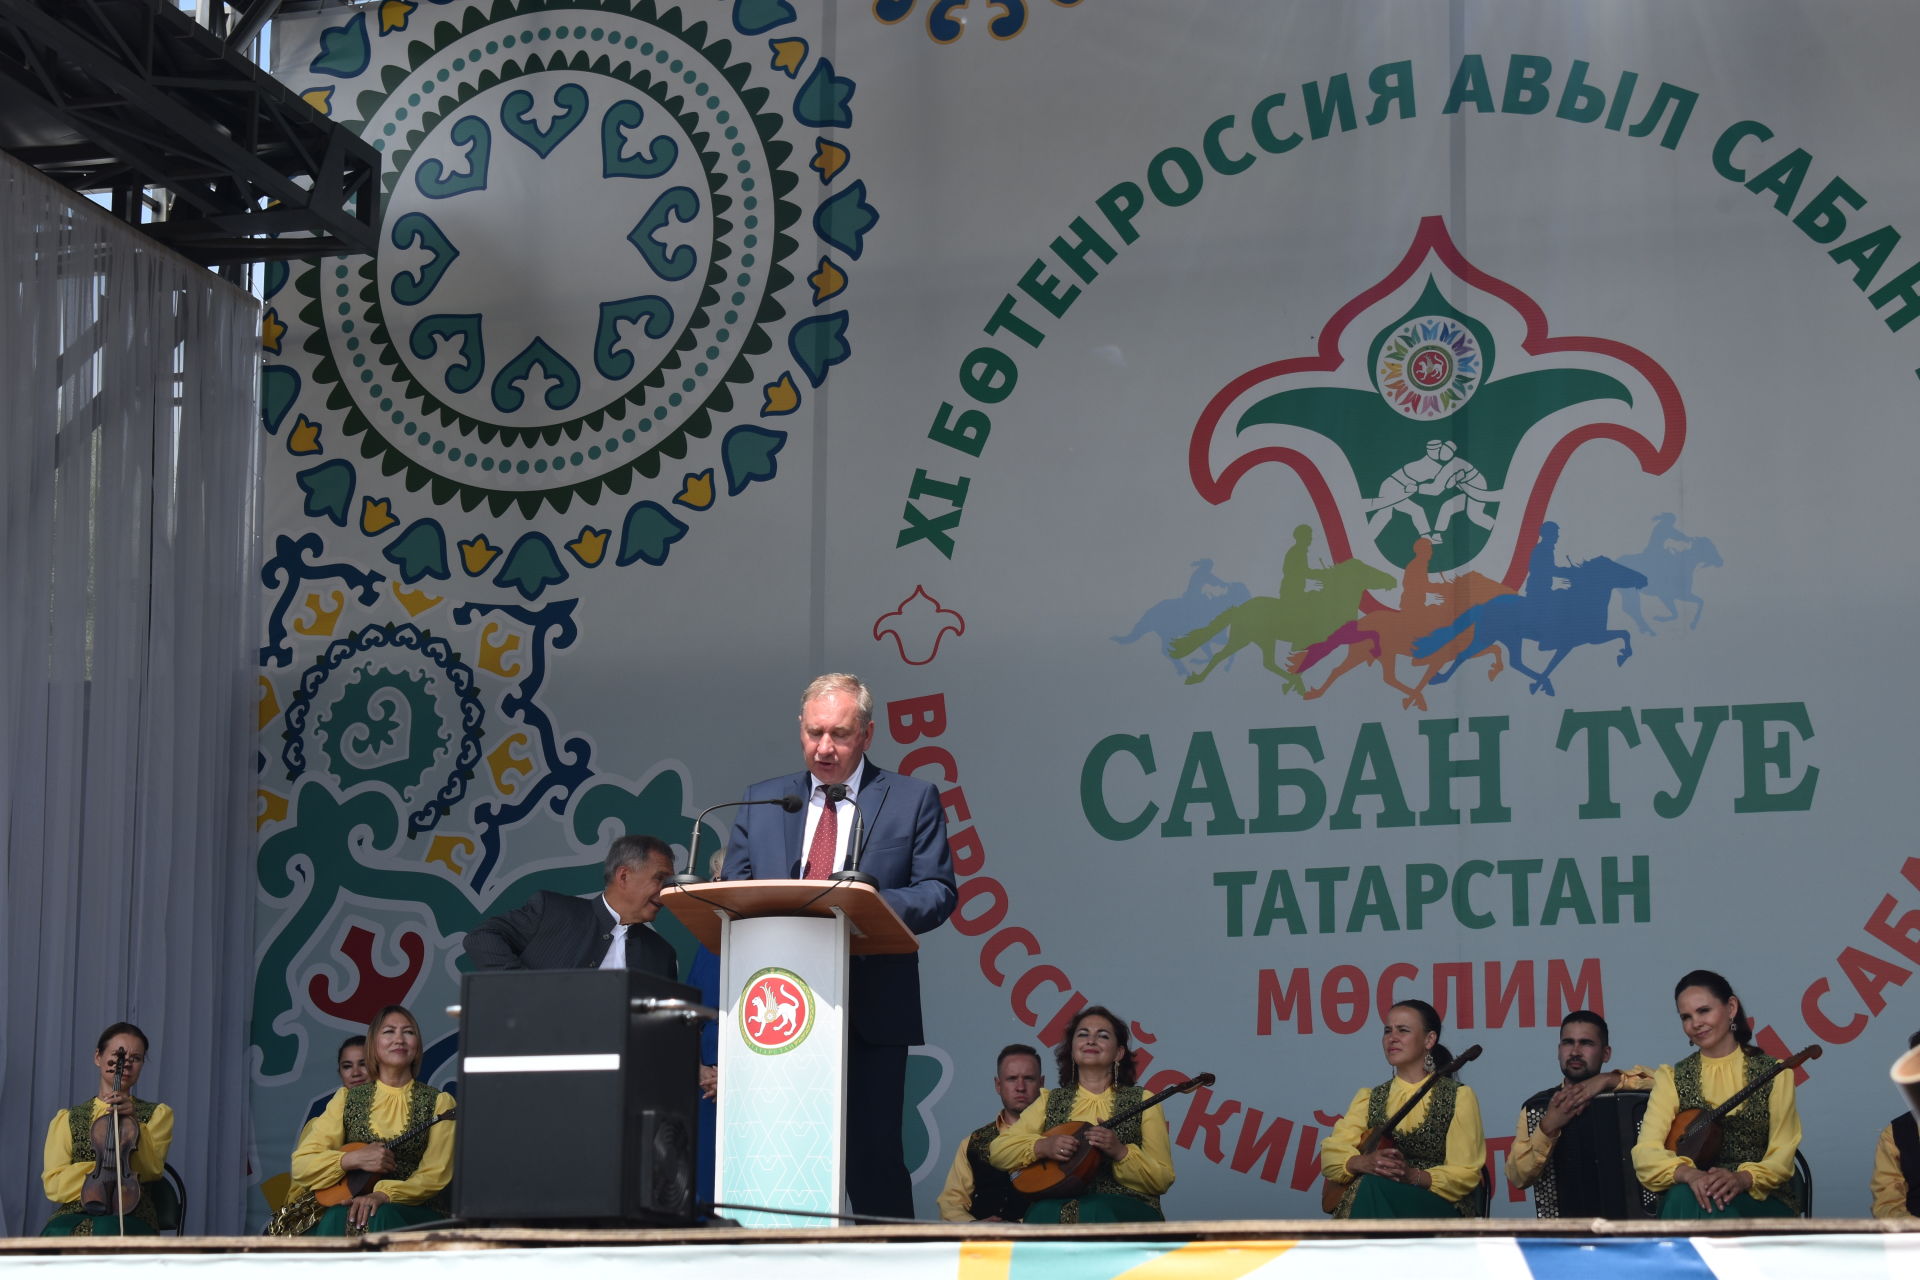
pixel 905 850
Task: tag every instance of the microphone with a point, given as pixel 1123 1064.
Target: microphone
pixel 835 794
pixel 788 803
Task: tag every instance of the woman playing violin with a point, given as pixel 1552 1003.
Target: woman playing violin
pixel 414 1172
pixel 1438 1151
pixel 1096 1080
pixel 71 1153
pixel 1755 1163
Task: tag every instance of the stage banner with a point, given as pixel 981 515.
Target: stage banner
pixel 1862 1257
pixel 1348 502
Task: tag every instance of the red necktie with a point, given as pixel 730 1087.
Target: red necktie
pixel 820 854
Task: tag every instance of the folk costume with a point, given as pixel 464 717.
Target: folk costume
pixel 1761 1135
pixel 375 1112
pixel 1896 1170
pixel 1442 1135
pixel 69 1157
pixel 1573 1173
pixel 974 1188
pixel 1126 1190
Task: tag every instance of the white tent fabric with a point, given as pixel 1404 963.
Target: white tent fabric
pixel 129 502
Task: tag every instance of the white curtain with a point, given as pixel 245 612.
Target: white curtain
pixel 129 498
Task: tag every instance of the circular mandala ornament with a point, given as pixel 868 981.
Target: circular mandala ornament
pixel 1429 367
pixel 394 706
pixel 383 727
pixel 581 256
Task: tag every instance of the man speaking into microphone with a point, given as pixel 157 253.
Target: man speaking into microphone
pixel 903 848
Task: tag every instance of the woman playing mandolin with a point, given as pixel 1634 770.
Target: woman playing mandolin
pixel 71 1154
pixel 1438 1149
pixel 1096 1080
pixel 350 1139
pixel 1755 1160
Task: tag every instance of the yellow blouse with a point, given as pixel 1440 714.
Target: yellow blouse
pixel 1720 1079
pixel 1889 1184
pixel 1148 1168
pixel 316 1161
pixel 1529 1154
pixel 63 1176
pixel 1466 1138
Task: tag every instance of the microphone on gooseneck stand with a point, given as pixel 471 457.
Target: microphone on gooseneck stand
pixel 788 803
pixel 854 841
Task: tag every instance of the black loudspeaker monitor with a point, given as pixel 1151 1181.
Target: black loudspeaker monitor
pixel 577 1098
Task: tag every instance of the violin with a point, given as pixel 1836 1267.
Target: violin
pixel 1696 1133
pixel 1331 1192
pixel 113 1187
pixel 1064 1179
pixel 359 1182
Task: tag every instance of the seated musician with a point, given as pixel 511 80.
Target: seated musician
pixel 1439 1149
pixel 1096 1081
pixel 1896 1164
pixel 975 1190
pixel 391 1105
pixel 299 1211
pixel 1575 1178
pixel 71 1155
pixel 1750 1176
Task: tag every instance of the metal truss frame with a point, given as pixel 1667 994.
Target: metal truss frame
pixel 134 94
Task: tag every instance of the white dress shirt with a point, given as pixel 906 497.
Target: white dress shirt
pixel 844 811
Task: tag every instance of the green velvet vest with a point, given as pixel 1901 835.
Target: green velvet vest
pixel 1747 1131
pixel 1060 1111
pixel 80 1131
pixel 1425 1146
pixel 356 1118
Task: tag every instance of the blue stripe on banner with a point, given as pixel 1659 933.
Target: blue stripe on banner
pixel 1664 1259
pixel 1071 1260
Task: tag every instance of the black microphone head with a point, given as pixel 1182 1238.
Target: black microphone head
pixel 792 803
pixel 836 791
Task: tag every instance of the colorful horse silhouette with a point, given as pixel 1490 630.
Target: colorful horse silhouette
pixel 1388 635
pixel 1266 623
pixel 1558 621
pixel 1205 597
pixel 1669 580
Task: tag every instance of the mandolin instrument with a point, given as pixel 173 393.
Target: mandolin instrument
pixel 358 1182
pixel 1374 1139
pixel 1064 1179
pixel 1696 1133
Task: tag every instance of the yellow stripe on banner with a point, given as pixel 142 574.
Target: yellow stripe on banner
pixel 986 1260
pixel 1208 1260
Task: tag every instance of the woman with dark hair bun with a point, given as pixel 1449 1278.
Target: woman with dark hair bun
pixel 70 1155
pixel 1439 1150
pixel 1096 1081
pixel 1751 1175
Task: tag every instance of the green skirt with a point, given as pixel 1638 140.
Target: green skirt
pixel 388 1217
pixel 80 1224
pixel 1094 1209
pixel 1678 1202
pixel 1378 1198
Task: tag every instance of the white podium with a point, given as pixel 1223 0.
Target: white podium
pixel 784 948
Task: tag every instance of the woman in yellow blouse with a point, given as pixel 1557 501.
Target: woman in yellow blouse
pixel 1096 1080
pixel 69 1154
pixel 1440 1149
pixel 389 1105
pixel 1755 1164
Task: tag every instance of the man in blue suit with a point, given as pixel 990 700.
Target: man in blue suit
pixel 905 851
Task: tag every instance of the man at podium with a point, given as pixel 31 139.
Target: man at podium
pixel 903 846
